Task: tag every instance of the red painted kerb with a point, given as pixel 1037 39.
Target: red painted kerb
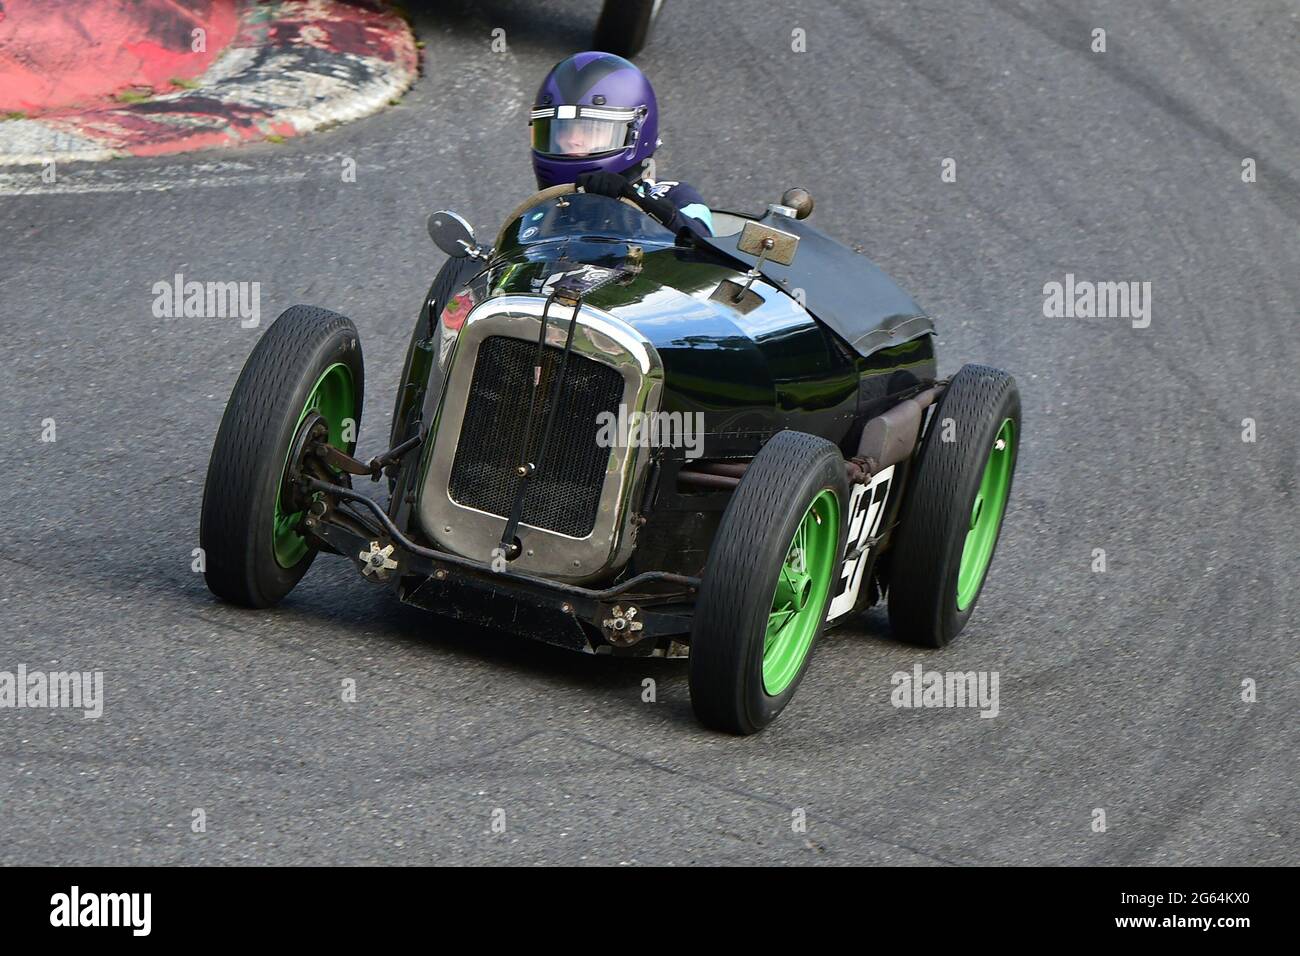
pixel 84 53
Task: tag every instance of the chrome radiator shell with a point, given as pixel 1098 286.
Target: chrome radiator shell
pixel 599 337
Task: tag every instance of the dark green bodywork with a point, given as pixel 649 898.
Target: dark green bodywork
pixel 750 373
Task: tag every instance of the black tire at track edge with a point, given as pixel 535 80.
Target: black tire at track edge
pixel 248 456
pixel 745 559
pixel 936 512
pixel 623 27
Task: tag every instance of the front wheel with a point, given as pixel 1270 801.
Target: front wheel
pixel 309 361
pixel 766 587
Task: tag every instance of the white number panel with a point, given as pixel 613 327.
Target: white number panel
pixel 866 510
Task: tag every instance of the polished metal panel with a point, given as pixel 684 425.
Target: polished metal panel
pixel 599 337
pixel 766 242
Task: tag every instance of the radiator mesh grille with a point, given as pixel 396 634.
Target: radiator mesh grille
pixel 565 494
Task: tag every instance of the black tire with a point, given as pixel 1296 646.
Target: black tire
pixel 740 578
pixel 248 457
pixel 624 26
pixel 937 513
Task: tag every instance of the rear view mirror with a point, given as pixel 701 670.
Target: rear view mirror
pixel 453 235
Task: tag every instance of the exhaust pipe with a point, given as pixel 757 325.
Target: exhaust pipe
pixel 886 440
pixel 891 436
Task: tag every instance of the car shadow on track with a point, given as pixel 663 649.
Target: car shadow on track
pixel 374 614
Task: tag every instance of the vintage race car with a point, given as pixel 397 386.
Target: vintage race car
pixel 624 441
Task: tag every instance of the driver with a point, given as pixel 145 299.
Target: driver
pixel 595 124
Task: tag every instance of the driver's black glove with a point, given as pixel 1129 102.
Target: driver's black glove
pixel 613 185
pixel 605 184
pixel 660 209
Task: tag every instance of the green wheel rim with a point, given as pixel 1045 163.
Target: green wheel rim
pixel 799 603
pixel 986 515
pixel 334 398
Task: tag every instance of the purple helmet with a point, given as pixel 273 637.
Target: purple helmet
pixel 594 111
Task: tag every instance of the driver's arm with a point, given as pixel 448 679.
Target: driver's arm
pixel 693 212
pixel 664 210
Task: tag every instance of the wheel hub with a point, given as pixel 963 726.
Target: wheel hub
pixel 314 428
pixel 802 589
pixel 986 515
pixel 328 406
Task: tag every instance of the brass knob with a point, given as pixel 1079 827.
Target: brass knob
pixel 800 200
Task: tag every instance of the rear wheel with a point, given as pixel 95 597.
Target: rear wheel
pixel 953 513
pixel 308 364
pixel 766 587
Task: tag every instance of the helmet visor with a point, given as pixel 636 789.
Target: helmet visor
pixel 581 135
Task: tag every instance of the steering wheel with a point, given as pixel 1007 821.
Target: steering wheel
pixel 537 198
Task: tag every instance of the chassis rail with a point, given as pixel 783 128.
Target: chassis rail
pixel 444 557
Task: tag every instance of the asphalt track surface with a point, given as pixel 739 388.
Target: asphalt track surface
pixel 1119 690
